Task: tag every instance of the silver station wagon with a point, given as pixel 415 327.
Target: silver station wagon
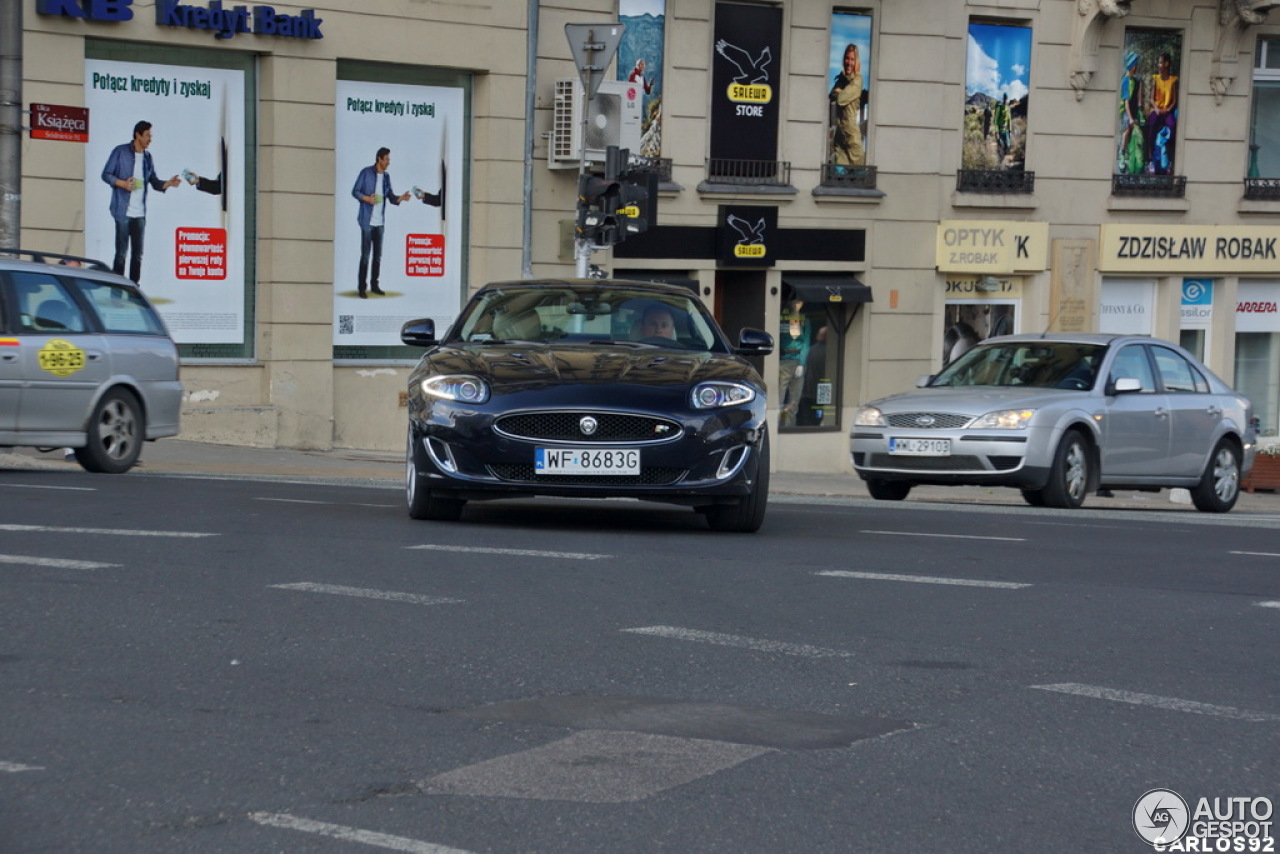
pixel 1059 416
pixel 85 361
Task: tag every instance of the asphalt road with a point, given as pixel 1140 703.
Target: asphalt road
pixel 215 665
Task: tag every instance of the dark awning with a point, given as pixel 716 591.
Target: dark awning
pixel 827 288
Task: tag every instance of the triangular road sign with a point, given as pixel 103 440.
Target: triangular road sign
pixel 593 47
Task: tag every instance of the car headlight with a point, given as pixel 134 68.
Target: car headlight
pixel 459 387
pixel 1004 419
pixel 869 416
pixel 714 395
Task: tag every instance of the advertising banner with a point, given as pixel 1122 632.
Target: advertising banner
pixel 744 82
pixel 398 213
pixel 640 60
pixel 849 70
pixel 1148 131
pixel 1258 307
pixel 165 193
pixel 1127 306
pixel 997 94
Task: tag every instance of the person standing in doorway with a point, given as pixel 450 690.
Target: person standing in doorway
pixel 130 172
pixel 373 190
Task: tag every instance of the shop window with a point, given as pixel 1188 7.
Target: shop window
pixel 817 310
pixel 1258 376
pixel 1263 179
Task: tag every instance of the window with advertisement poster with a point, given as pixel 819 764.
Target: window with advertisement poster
pixel 977 308
pixel 1257 355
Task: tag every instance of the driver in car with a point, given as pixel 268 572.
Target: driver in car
pixel 658 322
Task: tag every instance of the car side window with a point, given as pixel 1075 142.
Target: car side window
pixel 45 307
pixel 1132 362
pixel 119 309
pixel 1177 374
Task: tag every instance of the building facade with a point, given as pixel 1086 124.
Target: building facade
pixel 880 185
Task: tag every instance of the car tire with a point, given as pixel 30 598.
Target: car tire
pixel 116 430
pixel 1219 487
pixel 747 515
pixel 1070 473
pixel 422 504
pixel 888 490
pixel 1034 497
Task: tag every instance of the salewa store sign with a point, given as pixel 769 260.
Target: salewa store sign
pixel 224 23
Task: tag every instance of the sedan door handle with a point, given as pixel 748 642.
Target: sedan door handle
pixel 93 357
pixel 1161 412
pixel 1215 411
pixel 9 357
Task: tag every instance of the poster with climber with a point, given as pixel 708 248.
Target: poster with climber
pixel 997 96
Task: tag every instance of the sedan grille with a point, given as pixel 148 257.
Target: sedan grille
pixel 928 420
pixel 524 473
pixel 567 427
pixel 959 462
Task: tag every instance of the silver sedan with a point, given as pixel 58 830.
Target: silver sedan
pixel 1059 416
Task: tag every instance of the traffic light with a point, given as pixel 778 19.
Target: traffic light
pixel 597 209
pixel 637 201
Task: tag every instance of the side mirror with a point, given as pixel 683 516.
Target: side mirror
pixel 419 333
pixel 1125 385
pixel 923 380
pixel 754 342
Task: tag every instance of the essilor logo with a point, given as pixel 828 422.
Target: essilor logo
pixel 1160 816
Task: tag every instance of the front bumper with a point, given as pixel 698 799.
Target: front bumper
pixel 976 458
pixel 707 458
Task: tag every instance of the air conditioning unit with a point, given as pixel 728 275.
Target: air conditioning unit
pixel 613 118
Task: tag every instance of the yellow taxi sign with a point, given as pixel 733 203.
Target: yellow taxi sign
pixel 61 358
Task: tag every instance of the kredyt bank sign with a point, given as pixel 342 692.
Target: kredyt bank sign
pixel 223 22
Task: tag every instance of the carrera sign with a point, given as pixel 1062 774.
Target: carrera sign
pixel 52 121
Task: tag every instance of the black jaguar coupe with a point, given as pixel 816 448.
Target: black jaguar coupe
pixel 588 389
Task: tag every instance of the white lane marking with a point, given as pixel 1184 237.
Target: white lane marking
pixel 924 579
pixel 55 563
pixel 738 641
pixel 42 486
pixel 519 552
pixel 1268 604
pixel 1170 703
pixel 312 501
pixel 14 767
pixel 365 593
pixel 946 536
pixel 1256 554
pixel 351 834
pixel 123 532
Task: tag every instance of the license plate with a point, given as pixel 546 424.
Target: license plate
pixel 920 447
pixel 585 461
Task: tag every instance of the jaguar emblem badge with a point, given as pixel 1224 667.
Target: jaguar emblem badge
pixel 925 420
pixel 588 425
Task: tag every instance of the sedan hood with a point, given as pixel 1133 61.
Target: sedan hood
pixel 978 400
pixel 512 367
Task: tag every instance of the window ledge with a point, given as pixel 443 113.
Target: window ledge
pixel 1259 206
pixel 721 188
pixel 848 195
pixel 1157 204
pixel 1005 201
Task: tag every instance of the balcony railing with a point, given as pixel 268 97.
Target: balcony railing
pixel 995 181
pixel 1265 189
pixel 1149 186
pixel 760 173
pixel 851 177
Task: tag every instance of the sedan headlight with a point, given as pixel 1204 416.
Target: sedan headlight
pixel 869 416
pixel 1004 419
pixel 714 395
pixel 459 387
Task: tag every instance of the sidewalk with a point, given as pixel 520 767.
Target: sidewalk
pixel 201 459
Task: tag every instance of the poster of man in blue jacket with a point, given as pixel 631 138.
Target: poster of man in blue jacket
pixel 373 190
pixel 131 172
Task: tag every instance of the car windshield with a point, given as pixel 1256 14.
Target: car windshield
pixel 1039 364
pixel 601 315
